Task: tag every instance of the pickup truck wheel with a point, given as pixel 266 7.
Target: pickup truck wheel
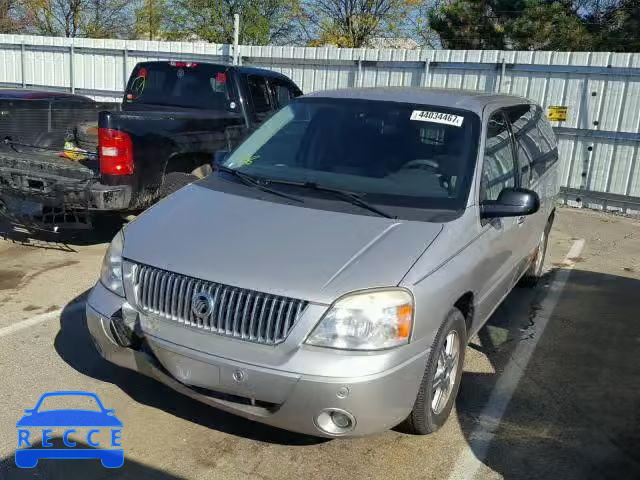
pixel 174 181
pixel 441 380
pixel 202 171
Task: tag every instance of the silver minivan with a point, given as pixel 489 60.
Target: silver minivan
pixel 327 277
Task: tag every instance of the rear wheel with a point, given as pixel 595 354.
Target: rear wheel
pixel 441 379
pixel 535 271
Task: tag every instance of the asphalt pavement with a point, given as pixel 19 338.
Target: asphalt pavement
pixel 550 387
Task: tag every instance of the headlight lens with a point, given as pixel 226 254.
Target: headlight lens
pixel 366 321
pixel 111 272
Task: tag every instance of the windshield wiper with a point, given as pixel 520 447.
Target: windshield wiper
pixel 345 195
pixel 253 182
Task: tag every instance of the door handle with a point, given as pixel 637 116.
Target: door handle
pixel 521 220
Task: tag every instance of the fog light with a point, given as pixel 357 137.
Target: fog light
pixel 340 420
pixel 335 421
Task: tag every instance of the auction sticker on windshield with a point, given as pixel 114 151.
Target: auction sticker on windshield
pixel 437 117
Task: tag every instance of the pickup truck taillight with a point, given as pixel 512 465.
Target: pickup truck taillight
pixel 115 151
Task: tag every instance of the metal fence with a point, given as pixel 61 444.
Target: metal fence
pixel 599 141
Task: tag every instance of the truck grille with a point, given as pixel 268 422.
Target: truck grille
pixel 222 309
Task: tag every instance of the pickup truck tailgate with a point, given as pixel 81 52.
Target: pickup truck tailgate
pixel 35 182
pixel 37 172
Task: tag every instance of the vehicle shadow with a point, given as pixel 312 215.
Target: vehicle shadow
pixel 79 469
pixel 104 229
pixel 75 347
pixel 575 410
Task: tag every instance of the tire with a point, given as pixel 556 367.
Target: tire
pixel 535 270
pixel 174 181
pixel 425 417
pixel 86 135
pixel 202 171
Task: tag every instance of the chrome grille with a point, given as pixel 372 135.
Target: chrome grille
pixel 235 312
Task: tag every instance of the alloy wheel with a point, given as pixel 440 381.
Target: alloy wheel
pixel 446 371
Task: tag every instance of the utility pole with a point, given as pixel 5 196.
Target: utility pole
pixel 151 19
pixel 236 37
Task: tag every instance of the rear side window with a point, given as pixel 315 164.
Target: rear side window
pixel 181 84
pixel 523 119
pixel 548 145
pixel 499 166
pixel 535 139
pixel 259 94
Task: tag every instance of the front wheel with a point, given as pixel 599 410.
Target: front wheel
pixel 441 379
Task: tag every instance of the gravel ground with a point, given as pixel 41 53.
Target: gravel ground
pixel 573 411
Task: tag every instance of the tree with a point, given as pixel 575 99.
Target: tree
pixel 150 19
pixel 615 26
pixel 261 21
pixel 74 18
pixel 55 17
pixel 548 26
pixel 419 22
pixel 511 24
pixel 11 19
pixel 467 24
pixel 351 23
pixel 107 19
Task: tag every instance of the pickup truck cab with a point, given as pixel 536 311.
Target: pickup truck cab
pixel 327 277
pixel 174 115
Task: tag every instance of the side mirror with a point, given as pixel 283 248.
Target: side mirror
pixel 219 158
pixel 512 202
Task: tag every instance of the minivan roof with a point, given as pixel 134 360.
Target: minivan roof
pixel 472 100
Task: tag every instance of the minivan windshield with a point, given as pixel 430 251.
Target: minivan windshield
pixel 405 155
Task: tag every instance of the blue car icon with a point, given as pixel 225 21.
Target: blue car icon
pixel 105 418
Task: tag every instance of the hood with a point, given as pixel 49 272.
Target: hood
pixel 298 252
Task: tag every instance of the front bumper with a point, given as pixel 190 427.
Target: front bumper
pixel 284 399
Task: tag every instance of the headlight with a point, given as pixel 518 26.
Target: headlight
pixel 366 321
pixel 111 272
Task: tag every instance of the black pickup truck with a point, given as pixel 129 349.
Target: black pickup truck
pixel 174 116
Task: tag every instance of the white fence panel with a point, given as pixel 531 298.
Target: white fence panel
pixel 599 142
